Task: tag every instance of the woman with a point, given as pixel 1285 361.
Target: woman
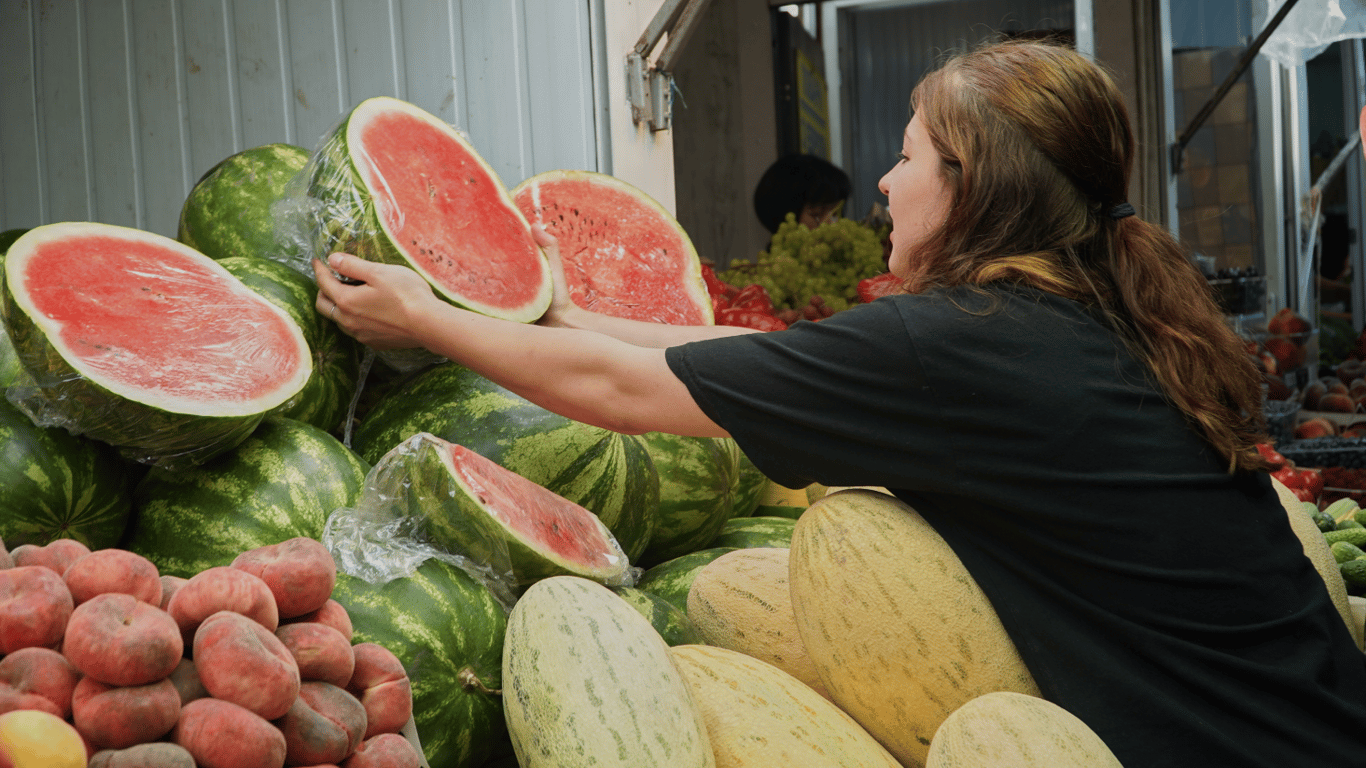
pixel 1056 393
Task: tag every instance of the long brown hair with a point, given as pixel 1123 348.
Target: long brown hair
pixel 1037 149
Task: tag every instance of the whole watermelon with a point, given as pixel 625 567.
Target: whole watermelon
pixel 57 485
pixel 280 483
pixel 749 485
pixel 324 400
pixel 447 629
pixel 229 210
pixel 697 482
pixel 607 473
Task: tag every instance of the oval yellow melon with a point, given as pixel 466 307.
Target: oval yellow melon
pixel 1317 550
pixel 741 601
pixel 1012 730
pixel 759 716
pixel 775 495
pixel 31 738
pixel 900 634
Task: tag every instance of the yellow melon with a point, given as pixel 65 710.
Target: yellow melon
pixel 899 632
pixel 758 716
pixel 1318 552
pixel 1012 730
pixel 741 601
pixel 774 495
pixel 31 738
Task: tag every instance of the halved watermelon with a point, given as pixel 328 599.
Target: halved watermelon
pixel 144 343
pixel 477 509
pixel 624 254
pixel 396 184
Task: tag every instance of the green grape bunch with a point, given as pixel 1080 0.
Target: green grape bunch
pixel 827 261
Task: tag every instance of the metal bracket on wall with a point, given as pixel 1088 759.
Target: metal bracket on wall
pixel 649 89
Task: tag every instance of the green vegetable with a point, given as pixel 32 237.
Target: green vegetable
pixel 828 261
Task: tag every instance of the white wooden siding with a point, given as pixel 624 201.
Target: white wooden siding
pixel 110 110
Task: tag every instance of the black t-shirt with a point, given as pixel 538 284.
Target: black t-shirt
pixel 1161 599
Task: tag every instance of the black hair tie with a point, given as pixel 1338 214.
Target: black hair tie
pixel 1122 211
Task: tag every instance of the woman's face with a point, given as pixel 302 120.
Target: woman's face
pixel 918 196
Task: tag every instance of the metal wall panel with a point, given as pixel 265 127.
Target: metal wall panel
pixel 890 48
pixel 110 110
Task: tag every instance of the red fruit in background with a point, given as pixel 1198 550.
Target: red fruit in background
pixel 1313 393
pixel 1317 427
pixel 1288 354
pixel 719 290
pixel 41 672
pixel 753 297
pixel 748 318
pixel 299 571
pixel 113 570
pixel 1272 455
pixel 886 284
pixel 57 554
pixel 1337 402
pixel 1286 321
pixel 1348 371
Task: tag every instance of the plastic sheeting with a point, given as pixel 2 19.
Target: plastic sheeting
pixel 1312 26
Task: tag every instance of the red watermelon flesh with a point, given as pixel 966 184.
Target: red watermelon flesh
pixel 540 518
pixel 444 207
pixel 624 255
pixel 154 321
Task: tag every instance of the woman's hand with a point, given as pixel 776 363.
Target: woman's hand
pixel 384 310
pixel 561 306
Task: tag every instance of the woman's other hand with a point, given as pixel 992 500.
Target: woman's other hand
pixel 561 306
pixel 384 310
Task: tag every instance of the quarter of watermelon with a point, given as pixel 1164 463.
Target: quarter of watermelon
pixel 395 184
pixel 229 211
pixel 697 485
pixel 624 254
pixel 606 472
pixel 447 629
pixel 144 343
pixel 282 482
pixel 55 485
pixel 324 400
pixel 478 509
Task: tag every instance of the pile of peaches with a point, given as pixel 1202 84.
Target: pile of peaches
pixel 108 663
pixel 1343 392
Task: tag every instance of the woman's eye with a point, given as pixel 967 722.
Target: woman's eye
pixel 901 157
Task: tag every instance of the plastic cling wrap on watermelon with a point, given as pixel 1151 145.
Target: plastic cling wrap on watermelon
pixel 395 184
pixel 141 342
pixel 428 497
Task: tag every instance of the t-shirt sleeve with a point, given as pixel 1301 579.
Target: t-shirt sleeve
pixel 816 402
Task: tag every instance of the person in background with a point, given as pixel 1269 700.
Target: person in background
pixel 805 185
pixel 1055 392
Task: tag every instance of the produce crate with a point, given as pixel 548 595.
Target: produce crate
pixel 1347 452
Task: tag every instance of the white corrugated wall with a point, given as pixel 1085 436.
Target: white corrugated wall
pixel 111 109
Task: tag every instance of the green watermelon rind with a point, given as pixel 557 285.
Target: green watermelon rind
pixel 349 222
pixel 671 623
pixel 10 368
pixel 672 579
pixel 324 400
pixel 463 525
pixel 696 492
pixel 54 484
pixel 66 396
pixel 229 212
pixel 282 482
pixel 694 285
pixel 756 532
pixel 448 631
pixel 608 473
pixel 750 484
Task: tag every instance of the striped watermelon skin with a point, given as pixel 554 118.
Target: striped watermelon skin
pixel 607 473
pixel 448 630
pixel 280 483
pixel 229 210
pixel 348 219
pixel 750 485
pixel 54 484
pixel 672 579
pixel 10 369
pixel 324 400
pixel 751 532
pixel 697 482
pixel 672 624
pixel 588 682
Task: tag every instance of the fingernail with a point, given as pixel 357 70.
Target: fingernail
pixel 334 260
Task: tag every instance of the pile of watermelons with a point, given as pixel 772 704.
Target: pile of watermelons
pixel 557 594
